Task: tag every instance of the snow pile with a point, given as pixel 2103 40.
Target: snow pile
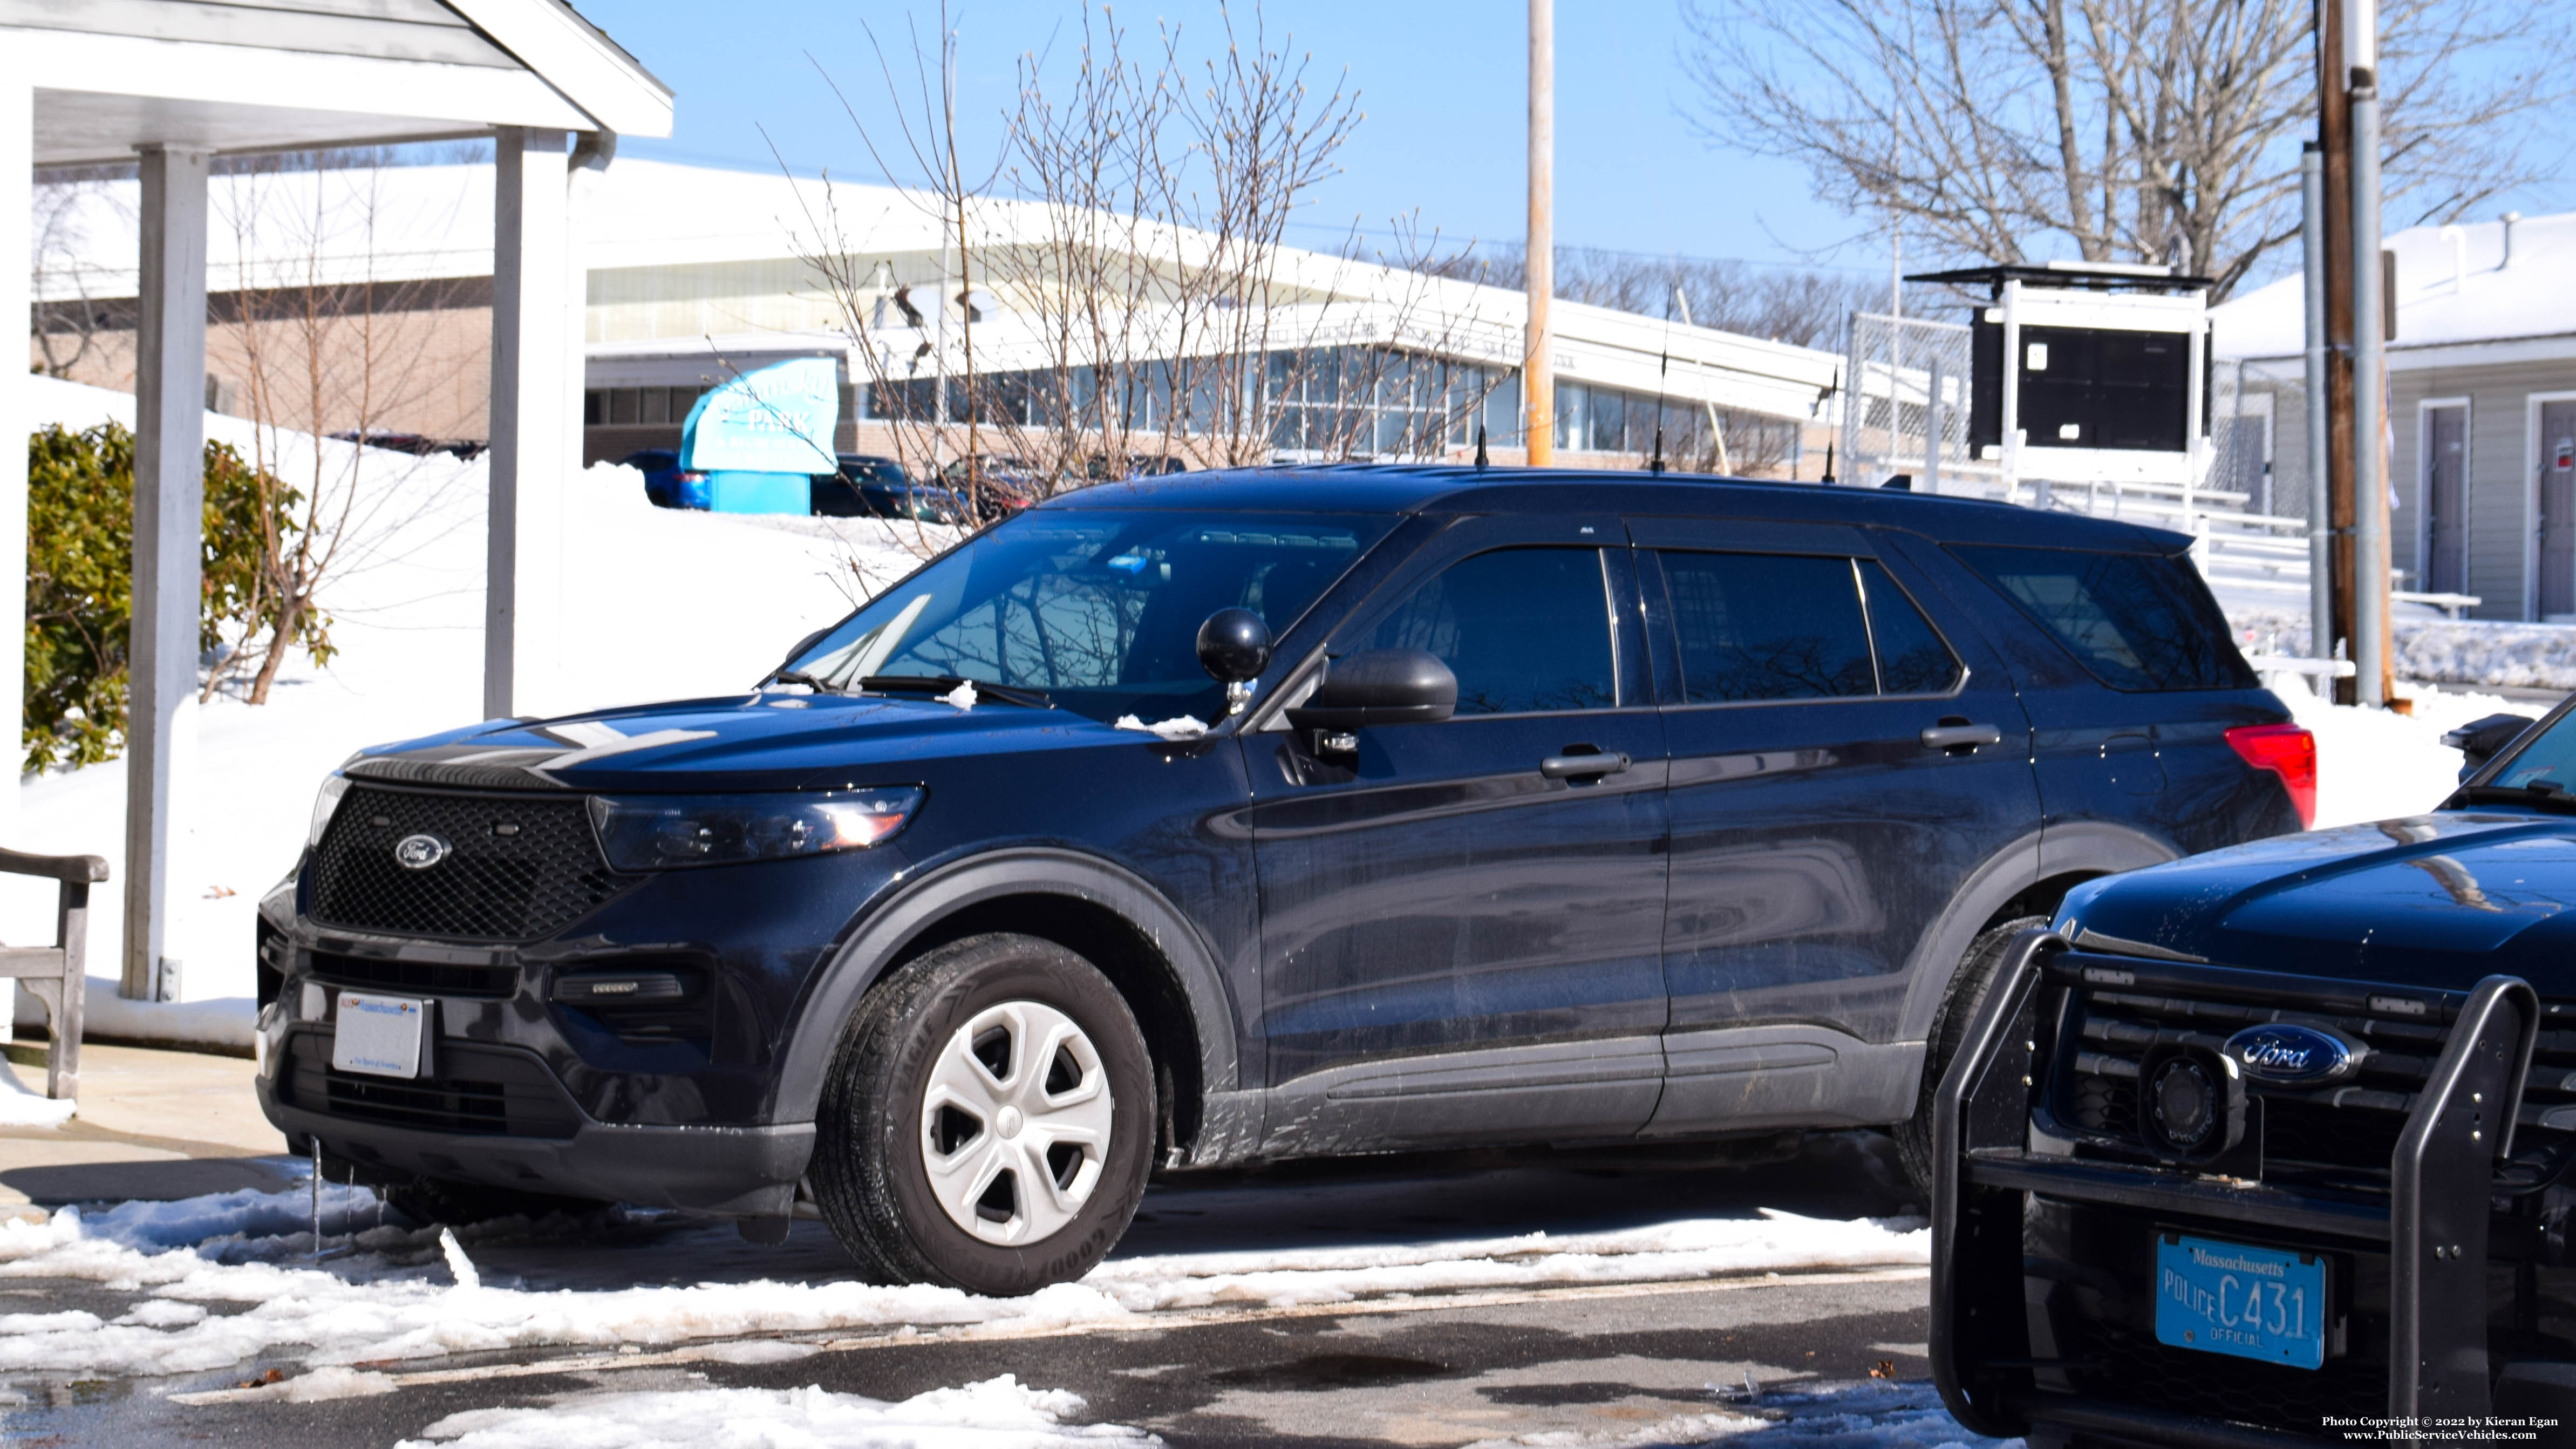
pixel 652 604
pixel 24 1106
pixel 1667 1252
pixel 1179 727
pixel 995 1414
pixel 2497 654
pixel 2374 765
pixel 414 1295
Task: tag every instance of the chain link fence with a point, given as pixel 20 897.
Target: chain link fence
pixel 1905 406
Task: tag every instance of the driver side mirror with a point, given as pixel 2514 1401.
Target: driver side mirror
pixel 1379 687
pixel 2481 740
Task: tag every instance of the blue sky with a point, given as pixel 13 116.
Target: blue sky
pixel 1442 86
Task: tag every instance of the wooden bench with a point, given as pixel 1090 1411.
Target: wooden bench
pixel 54 973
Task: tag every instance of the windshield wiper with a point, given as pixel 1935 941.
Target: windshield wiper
pixel 2547 794
pixel 944 683
pixel 799 676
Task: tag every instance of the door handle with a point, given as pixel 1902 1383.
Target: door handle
pixel 1578 767
pixel 1961 737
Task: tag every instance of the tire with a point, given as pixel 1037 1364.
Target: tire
pixel 950 1151
pixel 1968 987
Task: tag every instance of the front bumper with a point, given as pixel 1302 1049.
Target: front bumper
pixel 724 1171
pixel 2043 1285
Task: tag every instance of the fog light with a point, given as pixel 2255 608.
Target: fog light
pixel 2191 1104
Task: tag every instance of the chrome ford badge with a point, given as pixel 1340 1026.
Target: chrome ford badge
pixel 2291 1055
pixel 419 852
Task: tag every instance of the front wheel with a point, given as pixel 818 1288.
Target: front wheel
pixel 988 1121
pixel 1975 976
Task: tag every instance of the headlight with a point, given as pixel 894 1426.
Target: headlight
pixel 324 806
pixel 646 832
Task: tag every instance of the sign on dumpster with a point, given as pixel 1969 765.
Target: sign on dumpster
pixel 777 420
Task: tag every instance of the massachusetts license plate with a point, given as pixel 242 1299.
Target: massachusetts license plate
pixel 2258 1303
pixel 378 1035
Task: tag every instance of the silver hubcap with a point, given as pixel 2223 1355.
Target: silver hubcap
pixel 1015 1123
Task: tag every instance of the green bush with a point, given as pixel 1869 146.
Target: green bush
pixel 80 568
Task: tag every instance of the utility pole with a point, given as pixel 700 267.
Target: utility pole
pixel 2334 141
pixel 2312 236
pixel 2374 671
pixel 1538 367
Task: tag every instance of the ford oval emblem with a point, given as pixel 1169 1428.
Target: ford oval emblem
pixel 419 852
pixel 2291 1055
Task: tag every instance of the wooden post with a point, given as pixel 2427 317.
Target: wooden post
pixel 169 539
pixel 17 261
pixel 523 553
pixel 1538 367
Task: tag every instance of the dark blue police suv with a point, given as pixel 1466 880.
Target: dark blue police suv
pixel 1189 822
pixel 2277 1145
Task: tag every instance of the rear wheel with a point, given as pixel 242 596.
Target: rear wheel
pixel 988 1121
pixel 1976 975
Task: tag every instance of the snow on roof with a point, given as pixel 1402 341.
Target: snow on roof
pixel 2453 287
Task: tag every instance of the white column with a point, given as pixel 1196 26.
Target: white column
pixel 169 490
pixel 17 415
pixel 528 421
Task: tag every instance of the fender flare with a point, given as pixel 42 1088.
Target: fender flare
pixel 815 1032
pixel 2094 846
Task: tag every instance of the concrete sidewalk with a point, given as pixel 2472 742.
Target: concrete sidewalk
pixel 152 1124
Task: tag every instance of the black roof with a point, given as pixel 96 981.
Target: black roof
pixel 2068 278
pixel 1463 488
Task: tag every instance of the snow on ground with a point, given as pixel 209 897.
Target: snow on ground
pixel 995 1414
pixel 23 1106
pixel 653 604
pixel 2494 653
pixel 400 1295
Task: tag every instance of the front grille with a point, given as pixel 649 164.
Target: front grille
pixel 2343 1134
pixel 473 1090
pixel 2127 1366
pixel 517 867
pixel 427 977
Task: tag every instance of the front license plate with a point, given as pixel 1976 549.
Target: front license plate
pixel 378 1035
pixel 2258 1303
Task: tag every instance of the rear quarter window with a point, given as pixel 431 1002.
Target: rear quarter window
pixel 2135 621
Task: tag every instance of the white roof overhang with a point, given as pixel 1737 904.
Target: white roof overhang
pixel 122 74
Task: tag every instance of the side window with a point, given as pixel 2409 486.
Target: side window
pixel 1911 657
pixel 1524 629
pixel 1767 626
pixel 2135 621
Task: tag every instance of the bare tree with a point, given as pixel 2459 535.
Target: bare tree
pixel 327 345
pixel 2163 131
pixel 72 322
pixel 1116 289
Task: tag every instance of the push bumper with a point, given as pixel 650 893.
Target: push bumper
pixel 722 1171
pixel 2000 1369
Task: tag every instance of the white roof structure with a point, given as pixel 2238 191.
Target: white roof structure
pixel 724 274
pixel 2459 301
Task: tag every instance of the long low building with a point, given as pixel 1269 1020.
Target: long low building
pixel 360 298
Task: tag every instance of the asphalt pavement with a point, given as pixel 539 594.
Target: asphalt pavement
pixel 1599 1361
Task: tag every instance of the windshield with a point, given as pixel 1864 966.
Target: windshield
pixel 1099 611
pixel 2547 761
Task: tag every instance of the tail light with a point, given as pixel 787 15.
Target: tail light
pixel 2287 750
pixel 693 477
